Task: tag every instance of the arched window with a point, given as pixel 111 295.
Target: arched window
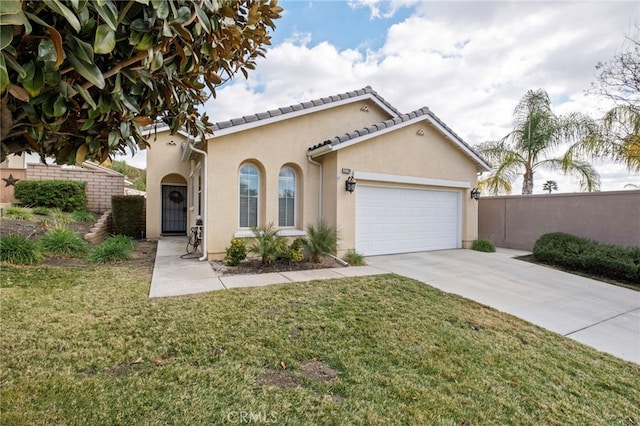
pixel 287 197
pixel 249 188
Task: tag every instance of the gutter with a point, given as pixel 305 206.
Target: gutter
pixel 205 199
pixel 312 161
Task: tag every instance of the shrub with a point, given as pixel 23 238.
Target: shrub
pixel 236 252
pixel 113 249
pixel 60 218
pixel 267 244
pixel 20 213
pixel 323 239
pixel 592 257
pixel 19 250
pixel 41 211
pixel 63 242
pixel 354 258
pixel 67 195
pixel 127 212
pixel 83 216
pixel 483 245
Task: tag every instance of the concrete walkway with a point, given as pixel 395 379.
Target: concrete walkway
pixel 600 315
pixel 175 276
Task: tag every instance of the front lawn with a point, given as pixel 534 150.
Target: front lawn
pixel 86 346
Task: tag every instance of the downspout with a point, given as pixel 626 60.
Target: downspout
pixel 204 201
pixel 319 184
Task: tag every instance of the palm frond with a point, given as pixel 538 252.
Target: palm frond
pixel 585 173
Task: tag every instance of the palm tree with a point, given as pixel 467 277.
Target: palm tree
pixel 550 185
pixel 537 132
pixel 621 142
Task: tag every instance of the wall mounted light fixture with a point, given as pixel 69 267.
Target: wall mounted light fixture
pixel 420 132
pixel 350 184
pixel 475 194
pixel 364 108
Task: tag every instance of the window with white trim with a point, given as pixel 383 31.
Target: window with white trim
pixel 249 180
pixel 287 197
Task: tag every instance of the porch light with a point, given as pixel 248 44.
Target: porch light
pixel 350 184
pixel 475 194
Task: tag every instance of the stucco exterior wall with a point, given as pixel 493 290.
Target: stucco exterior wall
pixel 269 148
pixel 405 153
pixel 518 221
pixel 320 189
pixel 163 160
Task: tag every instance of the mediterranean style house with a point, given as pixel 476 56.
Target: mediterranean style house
pixel 389 182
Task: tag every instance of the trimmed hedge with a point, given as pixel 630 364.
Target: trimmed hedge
pixel 592 257
pixel 127 211
pixel 66 195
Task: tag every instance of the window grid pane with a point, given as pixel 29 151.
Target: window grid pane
pixel 249 183
pixel 286 197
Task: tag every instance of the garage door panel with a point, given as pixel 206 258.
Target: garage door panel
pixel 401 220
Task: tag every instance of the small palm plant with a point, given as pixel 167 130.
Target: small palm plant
pixel 266 243
pixel 550 185
pixel 322 239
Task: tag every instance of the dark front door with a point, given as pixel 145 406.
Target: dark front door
pixel 174 209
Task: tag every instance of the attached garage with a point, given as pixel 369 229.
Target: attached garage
pixel 402 220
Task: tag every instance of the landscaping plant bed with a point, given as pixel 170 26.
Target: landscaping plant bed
pixel 254 266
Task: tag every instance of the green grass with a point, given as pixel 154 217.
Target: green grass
pixel 484 246
pixel 20 213
pixel 63 242
pixel 82 216
pixel 19 250
pixel 86 346
pixel 114 249
pixel 353 258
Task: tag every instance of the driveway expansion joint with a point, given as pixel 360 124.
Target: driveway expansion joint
pixel 601 322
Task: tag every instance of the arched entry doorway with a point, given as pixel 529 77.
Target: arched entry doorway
pixel 174 204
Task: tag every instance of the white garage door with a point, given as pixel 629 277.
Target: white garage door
pixel 402 220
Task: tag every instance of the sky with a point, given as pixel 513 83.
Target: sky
pixel 470 62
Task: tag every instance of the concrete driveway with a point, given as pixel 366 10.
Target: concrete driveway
pixel 603 316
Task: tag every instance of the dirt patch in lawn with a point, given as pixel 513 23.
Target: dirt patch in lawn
pixel 280 378
pixel 313 369
pixel 320 371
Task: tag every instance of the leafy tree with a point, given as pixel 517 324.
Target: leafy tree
pixel 536 134
pixel 619 80
pixel 79 79
pixel 550 185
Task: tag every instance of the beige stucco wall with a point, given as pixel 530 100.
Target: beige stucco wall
pixel 271 147
pixel 284 143
pixel 163 160
pixel 404 153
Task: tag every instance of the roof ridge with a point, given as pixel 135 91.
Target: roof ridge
pixel 302 106
pixel 376 127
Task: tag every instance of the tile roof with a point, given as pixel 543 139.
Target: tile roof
pixel 302 106
pixel 369 130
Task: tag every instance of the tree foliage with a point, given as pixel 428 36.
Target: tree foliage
pixel 537 133
pixel 79 79
pixel 550 185
pixel 619 80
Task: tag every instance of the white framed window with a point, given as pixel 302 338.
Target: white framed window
pixel 249 180
pixel 287 197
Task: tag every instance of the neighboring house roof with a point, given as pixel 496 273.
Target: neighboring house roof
pixel 422 114
pixel 249 121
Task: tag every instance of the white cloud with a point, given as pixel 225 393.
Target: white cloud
pixel 470 62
